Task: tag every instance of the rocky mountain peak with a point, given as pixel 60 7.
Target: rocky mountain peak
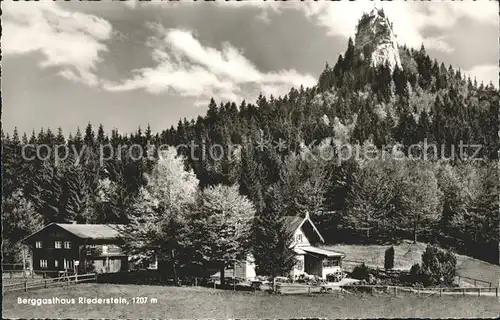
pixel 376 41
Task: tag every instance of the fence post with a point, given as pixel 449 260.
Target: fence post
pixel 308 290
pixel 463 292
pixel 25 286
pixel 478 292
pixel 475 283
pixel 440 292
pixel 45 285
pixel 395 291
pixel 496 291
pixel 372 291
pixel 10 274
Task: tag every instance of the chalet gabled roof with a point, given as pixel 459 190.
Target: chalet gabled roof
pixel 86 231
pixel 92 231
pixel 292 223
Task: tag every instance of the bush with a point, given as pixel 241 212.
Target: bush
pixel 361 272
pixel 389 259
pixel 438 267
pixel 415 276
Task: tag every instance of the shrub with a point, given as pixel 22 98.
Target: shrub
pixel 361 272
pixel 415 276
pixel 389 259
pixel 438 266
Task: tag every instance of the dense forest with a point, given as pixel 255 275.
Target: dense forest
pixel 440 195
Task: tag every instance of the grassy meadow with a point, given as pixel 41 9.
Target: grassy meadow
pixel 196 302
pixel 407 254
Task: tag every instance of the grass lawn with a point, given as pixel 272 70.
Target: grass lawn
pixel 195 302
pixel 407 254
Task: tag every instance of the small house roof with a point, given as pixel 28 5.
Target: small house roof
pixel 292 223
pixel 86 231
pixel 299 251
pixel 321 252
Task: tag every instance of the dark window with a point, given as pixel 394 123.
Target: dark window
pixel 330 263
pixel 299 238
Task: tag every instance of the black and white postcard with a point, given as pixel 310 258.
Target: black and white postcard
pixel 250 159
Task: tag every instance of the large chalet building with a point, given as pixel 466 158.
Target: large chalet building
pixel 59 247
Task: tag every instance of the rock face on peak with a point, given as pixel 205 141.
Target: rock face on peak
pixel 375 40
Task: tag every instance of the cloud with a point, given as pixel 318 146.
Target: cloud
pixel 409 18
pixel 186 67
pixel 438 44
pixel 484 74
pixel 132 4
pixel 71 41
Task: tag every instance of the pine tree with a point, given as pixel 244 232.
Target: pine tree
pixel 249 182
pixel 101 138
pixel 47 190
pixel 273 240
pixel 89 138
pixel 424 126
pixel 349 54
pixel 78 194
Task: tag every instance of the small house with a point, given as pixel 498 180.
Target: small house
pixel 60 247
pixel 311 259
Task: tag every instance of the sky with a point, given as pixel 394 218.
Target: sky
pixel 129 64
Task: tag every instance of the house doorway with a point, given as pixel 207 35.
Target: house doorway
pixel 313 265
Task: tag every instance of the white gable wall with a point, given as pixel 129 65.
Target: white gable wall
pixel 300 239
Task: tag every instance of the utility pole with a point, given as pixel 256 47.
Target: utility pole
pixel 24 259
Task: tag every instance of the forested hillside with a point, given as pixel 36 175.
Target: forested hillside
pixel 444 197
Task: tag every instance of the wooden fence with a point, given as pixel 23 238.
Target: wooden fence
pixel 31 274
pixel 13 267
pixel 473 281
pixel 49 282
pixel 395 290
